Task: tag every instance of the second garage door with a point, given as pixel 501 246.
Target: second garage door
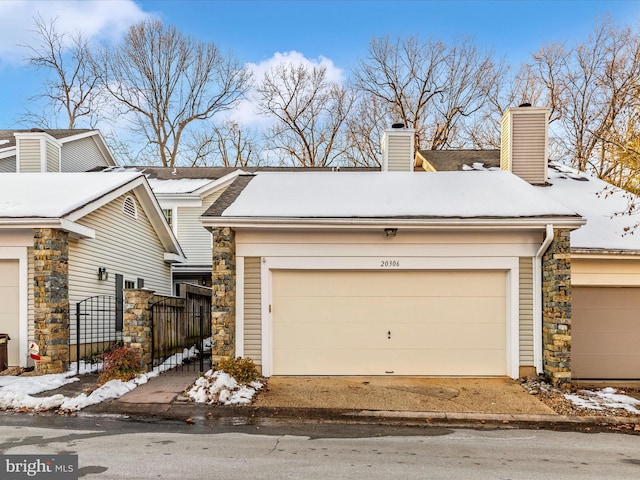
pixel 389 323
pixel 605 333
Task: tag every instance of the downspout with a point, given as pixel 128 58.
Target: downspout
pixel 537 299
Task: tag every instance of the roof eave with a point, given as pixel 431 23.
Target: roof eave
pixel 457 223
pixel 75 229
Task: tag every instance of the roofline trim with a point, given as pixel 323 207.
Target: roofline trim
pixel 423 223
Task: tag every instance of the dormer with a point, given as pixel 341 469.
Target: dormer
pixel 37 152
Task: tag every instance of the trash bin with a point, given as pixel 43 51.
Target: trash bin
pixel 4 356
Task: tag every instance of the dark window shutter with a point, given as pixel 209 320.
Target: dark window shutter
pixel 140 282
pixel 119 302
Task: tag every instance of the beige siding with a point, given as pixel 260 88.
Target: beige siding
pixel 505 144
pixel 621 272
pixel 29 151
pixel 529 147
pixel 526 312
pixel 81 155
pixel 193 237
pixel 123 245
pixel 252 313
pixel 53 158
pixel 8 165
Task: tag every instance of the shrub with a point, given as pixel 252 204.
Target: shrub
pixel 242 369
pixel 120 363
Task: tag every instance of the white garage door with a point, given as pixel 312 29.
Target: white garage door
pixel 9 305
pixel 605 333
pixel 389 323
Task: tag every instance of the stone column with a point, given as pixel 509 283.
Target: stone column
pixel 556 309
pixel 137 332
pixel 223 315
pixel 51 298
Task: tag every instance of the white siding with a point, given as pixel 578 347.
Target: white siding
pixel 397 150
pixel 252 304
pixel 123 245
pixel 53 157
pixel 81 155
pixel 29 151
pixel 526 312
pixel 8 165
pixel 193 237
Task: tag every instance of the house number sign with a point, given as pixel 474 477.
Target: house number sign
pixel 389 263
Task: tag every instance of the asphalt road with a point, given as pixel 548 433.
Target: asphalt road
pixel 117 448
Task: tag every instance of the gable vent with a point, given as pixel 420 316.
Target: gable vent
pixel 129 207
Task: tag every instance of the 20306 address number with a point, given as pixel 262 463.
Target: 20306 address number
pixel 389 263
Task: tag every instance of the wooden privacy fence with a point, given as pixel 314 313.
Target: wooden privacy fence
pixel 181 329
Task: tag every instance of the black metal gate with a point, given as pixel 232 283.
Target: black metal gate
pixel 182 330
pixel 95 330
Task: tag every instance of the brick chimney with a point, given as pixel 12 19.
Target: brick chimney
pixel 398 149
pixel 524 142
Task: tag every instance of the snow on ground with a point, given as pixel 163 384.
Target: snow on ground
pixel 16 392
pixel 604 399
pixel 220 387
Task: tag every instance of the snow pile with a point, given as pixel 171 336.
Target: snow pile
pixel 16 392
pixel 220 387
pixel 604 399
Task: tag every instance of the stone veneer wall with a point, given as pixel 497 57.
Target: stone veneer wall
pixel 136 330
pixel 51 298
pixel 556 309
pixel 223 304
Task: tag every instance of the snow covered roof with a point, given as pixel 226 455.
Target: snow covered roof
pixel 54 195
pixel 389 195
pixel 602 204
pixel 178 186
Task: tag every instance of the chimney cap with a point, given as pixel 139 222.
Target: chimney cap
pixel 398 125
pixel 525 104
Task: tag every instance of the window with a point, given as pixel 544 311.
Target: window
pixel 168 214
pixel 129 207
pixel 129 284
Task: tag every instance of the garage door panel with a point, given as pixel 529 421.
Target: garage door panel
pixel 397 284
pixel 601 367
pixel 605 333
pixel 441 335
pixel 337 323
pixel 332 335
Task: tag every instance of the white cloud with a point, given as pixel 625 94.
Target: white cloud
pixel 246 113
pixel 95 19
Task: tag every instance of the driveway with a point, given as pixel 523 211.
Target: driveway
pixel 418 394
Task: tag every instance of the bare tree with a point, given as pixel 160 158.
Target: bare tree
pixel 71 88
pixel 427 85
pixel 309 112
pixel 169 81
pixel 226 144
pixel 594 90
pixel 364 128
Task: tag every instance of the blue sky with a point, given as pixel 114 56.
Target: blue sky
pixel 336 30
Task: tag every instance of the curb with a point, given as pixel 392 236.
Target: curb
pixel 251 414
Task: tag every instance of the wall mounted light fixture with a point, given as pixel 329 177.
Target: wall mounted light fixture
pixel 390 232
pixel 103 274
